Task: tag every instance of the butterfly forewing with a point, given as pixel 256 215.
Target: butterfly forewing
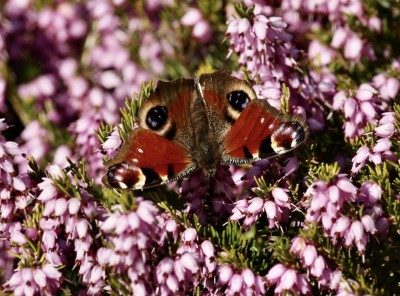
pixel 261 131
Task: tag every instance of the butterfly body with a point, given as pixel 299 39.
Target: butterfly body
pixel 187 125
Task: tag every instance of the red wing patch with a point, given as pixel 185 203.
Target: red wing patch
pixel 147 159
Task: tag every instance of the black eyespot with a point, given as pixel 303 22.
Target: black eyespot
pixel 156 117
pixel 238 100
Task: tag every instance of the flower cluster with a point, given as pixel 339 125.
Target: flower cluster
pixel 287 279
pixel 319 220
pixel 31 281
pixel 240 283
pixel 276 209
pixel 131 244
pixel 265 50
pixel 382 148
pixel 315 263
pixel 327 203
pixel 73 93
pixel 359 109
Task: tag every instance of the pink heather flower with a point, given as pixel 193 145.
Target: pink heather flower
pixel 382 149
pixel 171 272
pixel 353 47
pixel 255 205
pixel 298 246
pixel 235 284
pixel 208 249
pixel 30 281
pixel 388 86
pixel 326 207
pixel 287 280
pixel 309 255
pixel 340 226
pixel 358 109
pixel 370 192
pixel 191 17
pixel 276 210
pixel 225 273
pixel 275 273
pixel 319 54
pixel 189 236
pixel 368 224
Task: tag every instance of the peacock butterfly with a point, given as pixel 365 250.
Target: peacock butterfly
pixel 198 124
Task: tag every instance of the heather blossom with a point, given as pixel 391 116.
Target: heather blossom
pixel 276 208
pixel 242 283
pixel 316 264
pixel 201 27
pixel 359 109
pixel 327 202
pixel 286 279
pixel 31 281
pixel 381 151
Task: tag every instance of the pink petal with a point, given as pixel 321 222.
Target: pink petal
pixel 224 275
pixel 382 145
pixel 244 25
pixel 60 206
pixel 189 235
pixel 191 17
pixel 346 186
pixel 288 279
pixel 208 249
pixel 248 277
pixel 51 271
pixel 236 283
pixel 309 255
pixel 368 223
pixel 189 262
pixel 339 37
pixel 256 205
pixel 276 272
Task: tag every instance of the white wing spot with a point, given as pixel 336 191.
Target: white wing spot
pixel 135 160
pixel 262 120
pixel 140 150
pixel 122 185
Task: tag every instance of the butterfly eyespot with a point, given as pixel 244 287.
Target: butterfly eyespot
pixel 124 176
pixel 288 136
pixel 157 117
pixel 238 100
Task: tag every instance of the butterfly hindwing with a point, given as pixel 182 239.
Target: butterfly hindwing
pixel 147 160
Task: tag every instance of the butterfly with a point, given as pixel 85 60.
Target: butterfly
pixel 198 124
